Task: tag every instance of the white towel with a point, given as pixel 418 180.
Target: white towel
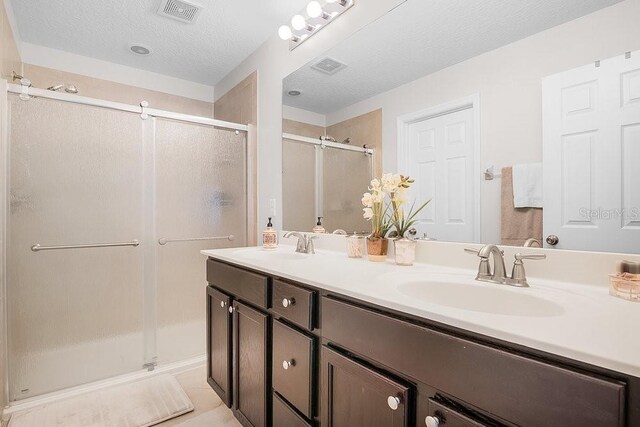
pixel 527 185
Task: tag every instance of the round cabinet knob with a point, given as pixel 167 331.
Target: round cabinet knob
pixel 222 304
pixel 393 402
pixel 553 240
pixel 432 421
pixel 231 309
pixel 287 302
pixel 286 364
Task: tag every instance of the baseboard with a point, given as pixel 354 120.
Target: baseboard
pixel 170 368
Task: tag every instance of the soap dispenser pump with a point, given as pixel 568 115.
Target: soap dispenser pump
pixel 319 228
pixel 269 237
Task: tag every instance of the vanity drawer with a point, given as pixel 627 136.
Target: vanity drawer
pixel 449 417
pixel 284 416
pixel 521 390
pixel 293 356
pixel 244 285
pixel 293 303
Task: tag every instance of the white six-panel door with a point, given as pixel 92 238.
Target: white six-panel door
pixel 591 150
pixel 440 156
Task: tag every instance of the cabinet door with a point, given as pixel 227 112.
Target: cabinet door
pixel 355 395
pixel 251 365
pixel 219 343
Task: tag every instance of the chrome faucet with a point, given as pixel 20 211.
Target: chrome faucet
pixel 499 275
pixel 305 242
pixel 529 243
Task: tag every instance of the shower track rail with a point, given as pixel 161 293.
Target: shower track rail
pixel 315 141
pixel 141 109
pixel 37 247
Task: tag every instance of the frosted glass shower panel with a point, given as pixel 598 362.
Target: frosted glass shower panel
pixel 299 181
pixel 74 315
pixel 346 177
pixel 200 175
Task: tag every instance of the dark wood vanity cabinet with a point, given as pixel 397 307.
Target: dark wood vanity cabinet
pixel 239 342
pixel 251 385
pixel 356 395
pixel 290 355
pixel 219 343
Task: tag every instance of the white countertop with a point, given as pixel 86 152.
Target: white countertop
pixel 576 321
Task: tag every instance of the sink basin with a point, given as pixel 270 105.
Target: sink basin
pixel 260 255
pixel 482 298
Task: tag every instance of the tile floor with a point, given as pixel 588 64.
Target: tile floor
pixel 209 409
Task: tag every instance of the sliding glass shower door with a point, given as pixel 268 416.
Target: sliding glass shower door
pixel 76 177
pixel 106 218
pixel 200 180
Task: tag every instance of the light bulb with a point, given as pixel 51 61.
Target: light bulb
pixel 314 10
pixel 285 32
pixel 298 22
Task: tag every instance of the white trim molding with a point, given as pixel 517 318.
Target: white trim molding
pixel 99 69
pixel 471 101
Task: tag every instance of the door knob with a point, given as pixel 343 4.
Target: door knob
pixel 287 302
pixel 286 364
pixel 552 239
pixel 432 421
pixel 393 402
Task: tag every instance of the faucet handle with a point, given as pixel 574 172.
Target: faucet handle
pixel 310 247
pixel 477 251
pixel 520 257
pixel 518 275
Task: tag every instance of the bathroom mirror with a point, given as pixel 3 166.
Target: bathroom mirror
pixel 518 119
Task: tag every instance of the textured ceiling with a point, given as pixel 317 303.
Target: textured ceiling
pixel 420 37
pixel 226 32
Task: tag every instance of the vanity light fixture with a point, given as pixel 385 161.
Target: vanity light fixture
pixel 319 13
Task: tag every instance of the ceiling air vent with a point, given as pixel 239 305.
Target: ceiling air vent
pixel 180 10
pixel 328 66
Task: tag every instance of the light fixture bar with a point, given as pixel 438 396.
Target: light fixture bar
pixel 319 14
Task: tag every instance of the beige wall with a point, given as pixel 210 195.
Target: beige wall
pixel 103 89
pixel 9 56
pixel 240 104
pixel 302 129
pixel 365 129
pixel 508 80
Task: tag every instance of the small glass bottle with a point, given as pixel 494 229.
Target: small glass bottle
pixel 319 228
pixel 269 237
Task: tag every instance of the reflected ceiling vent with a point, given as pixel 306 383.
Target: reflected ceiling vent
pixel 180 10
pixel 328 66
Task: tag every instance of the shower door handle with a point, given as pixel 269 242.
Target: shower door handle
pixel 37 247
pixel 164 240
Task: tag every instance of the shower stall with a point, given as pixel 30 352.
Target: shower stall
pixel 324 179
pixel 107 208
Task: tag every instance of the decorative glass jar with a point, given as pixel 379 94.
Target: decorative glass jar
pixel 405 251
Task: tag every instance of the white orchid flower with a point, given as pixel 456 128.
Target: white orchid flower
pixel 368 213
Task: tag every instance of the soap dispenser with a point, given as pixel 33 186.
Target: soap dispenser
pixel 319 228
pixel 269 237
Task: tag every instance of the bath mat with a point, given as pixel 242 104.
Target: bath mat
pixel 139 404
